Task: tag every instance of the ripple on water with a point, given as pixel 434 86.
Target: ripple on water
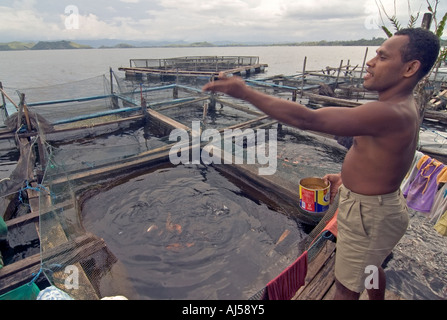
pixel 188 233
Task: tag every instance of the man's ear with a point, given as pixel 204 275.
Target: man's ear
pixel 412 68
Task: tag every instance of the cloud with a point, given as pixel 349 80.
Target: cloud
pixel 202 20
pixel 23 22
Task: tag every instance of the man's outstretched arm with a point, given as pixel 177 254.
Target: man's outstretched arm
pixel 368 119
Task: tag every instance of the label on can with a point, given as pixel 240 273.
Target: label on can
pixel 314 195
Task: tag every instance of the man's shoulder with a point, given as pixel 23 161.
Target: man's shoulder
pixel 403 108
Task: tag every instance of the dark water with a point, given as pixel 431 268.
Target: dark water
pixel 187 232
pixel 194 263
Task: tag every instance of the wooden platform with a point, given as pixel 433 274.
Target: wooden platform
pixel 198 66
pixel 240 71
pixel 320 279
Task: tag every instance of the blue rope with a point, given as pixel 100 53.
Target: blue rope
pixel 36 276
pixel 28 187
pixel 433 131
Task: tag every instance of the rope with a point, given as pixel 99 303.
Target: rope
pixel 28 187
pixel 433 131
pixel 36 276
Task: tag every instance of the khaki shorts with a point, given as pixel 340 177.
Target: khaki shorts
pixel 368 229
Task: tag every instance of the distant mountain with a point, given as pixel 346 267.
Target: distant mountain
pixel 16 46
pixel 119 46
pixel 117 43
pixel 58 45
pixel 42 45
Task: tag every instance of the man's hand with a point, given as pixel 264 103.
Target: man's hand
pixel 233 86
pixel 336 182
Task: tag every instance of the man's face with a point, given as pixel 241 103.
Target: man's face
pixel 386 69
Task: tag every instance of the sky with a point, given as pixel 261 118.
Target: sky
pixel 267 21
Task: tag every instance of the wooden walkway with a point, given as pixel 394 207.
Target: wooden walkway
pixel 320 279
pixel 240 71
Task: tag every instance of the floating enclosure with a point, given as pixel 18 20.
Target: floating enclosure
pixel 190 232
pixel 204 67
pixel 119 144
pixel 145 224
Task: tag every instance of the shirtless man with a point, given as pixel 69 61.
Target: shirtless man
pixel 385 138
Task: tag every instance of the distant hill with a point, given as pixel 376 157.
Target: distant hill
pixel 118 46
pixel 16 46
pixel 361 42
pixel 110 43
pixel 42 45
pixel 58 45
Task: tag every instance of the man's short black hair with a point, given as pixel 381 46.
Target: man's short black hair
pixel 423 46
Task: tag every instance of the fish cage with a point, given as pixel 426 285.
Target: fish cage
pixel 193 68
pixel 158 191
pixel 197 63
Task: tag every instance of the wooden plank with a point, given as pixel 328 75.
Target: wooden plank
pixel 6 134
pixel 139 160
pixel 183 72
pixel 330 294
pixel 435 115
pixel 320 279
pixel 152 156
pixel 10 269
pixel 441 94
pixel 244 124
pixel 169 72
pixel 320 284
pixel 75 250
pixel 316 266
pixel 166 120
pixel 183 104
pixel 336 101
pixel 56 242
pixel 35 215
pixel 19 273
pixel 239 107
pixel 22 271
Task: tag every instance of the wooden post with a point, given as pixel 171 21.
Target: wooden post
pixel 143 101
pixel 205 112
pixel 338 74
pixel 3 99
pixel 111 81
pixel 25 111
pixel 363 66
pixel 7 97
pixel 304 73
pixel 426 21
pixel 114 99
pixel 347 68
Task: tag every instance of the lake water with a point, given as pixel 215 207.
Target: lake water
pixel 409 274
pixel 192 235
pixel 29 69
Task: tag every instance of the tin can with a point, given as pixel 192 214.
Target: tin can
pixel 314 195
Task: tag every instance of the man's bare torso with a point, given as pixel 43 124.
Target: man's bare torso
pixel 377 164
